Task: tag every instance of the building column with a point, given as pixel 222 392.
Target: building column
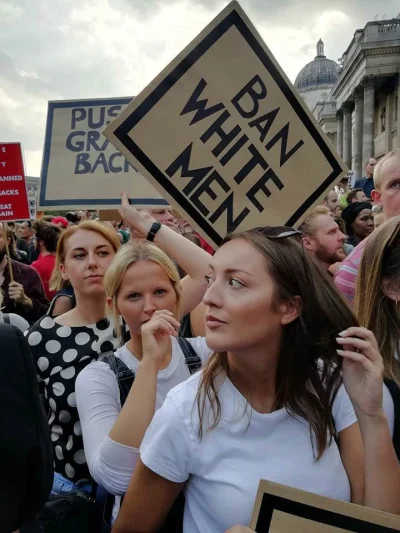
pixel 358 132
pixel 339 138
pixel 369 112
pixel 347 109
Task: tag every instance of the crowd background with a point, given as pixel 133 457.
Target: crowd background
pixel 293 325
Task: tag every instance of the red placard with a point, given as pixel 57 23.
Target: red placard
pixel 13 196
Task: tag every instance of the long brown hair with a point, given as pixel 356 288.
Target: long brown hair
pixel 308 374
pixel 374 309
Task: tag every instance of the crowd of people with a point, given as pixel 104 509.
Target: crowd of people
pixel 175 377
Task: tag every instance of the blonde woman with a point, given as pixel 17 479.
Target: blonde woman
pixel 62 347
pixel 143 287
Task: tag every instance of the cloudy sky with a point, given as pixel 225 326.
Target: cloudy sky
pixel 67 49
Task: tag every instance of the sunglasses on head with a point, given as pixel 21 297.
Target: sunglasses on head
pixel 279 232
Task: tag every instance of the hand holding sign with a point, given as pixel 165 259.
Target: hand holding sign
pixel 362 370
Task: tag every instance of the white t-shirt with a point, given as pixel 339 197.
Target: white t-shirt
pixel 15 320
pixel 224 467
pixel 97 396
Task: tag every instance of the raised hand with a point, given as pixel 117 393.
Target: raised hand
pixel 139 219
pixel 362 370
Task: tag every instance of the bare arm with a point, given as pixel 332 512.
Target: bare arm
pixel 351 452
pixel 147 502
pixel 139 408
pixel 190 257
pixel 382 469
pixel 363 378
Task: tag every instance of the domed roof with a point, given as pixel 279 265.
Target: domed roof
pixel 317 74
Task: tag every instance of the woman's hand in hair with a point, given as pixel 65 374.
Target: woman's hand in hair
pixel 138 219
pixel 362 370
pixel 154 332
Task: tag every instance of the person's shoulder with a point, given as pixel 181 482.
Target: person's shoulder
pixel 360 182
pixel 185 393
pixel 41 331
pixel 95 373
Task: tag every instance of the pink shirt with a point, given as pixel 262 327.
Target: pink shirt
pixel 346 276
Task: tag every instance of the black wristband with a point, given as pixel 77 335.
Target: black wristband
pixel 155 228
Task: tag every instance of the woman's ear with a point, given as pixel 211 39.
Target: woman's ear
pixel 64 275
pixel 391 290
pixel 290 310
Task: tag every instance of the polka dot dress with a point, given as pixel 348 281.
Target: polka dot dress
pixel 60 353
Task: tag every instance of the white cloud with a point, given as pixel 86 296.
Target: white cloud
pixel 65 49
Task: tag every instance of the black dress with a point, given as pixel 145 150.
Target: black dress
pixel 60 353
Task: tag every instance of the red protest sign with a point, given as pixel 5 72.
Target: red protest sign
pixel 13 196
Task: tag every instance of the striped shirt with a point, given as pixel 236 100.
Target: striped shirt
pixel 346 276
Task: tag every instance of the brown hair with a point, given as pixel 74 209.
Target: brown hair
pixel 56 281
pixel 375 310
pixel 308 374
pixel 48 233
pixel 352 195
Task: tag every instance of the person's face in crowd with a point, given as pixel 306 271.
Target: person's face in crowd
pixel 240 291
pixel 379 219
pixel 388 194
pixel 38 244
pixel 145 288
pixel 327 242
pixel 166 217
pixel 331 201
pixel 363 224
pixel 26 231
pixel 369 167
pixel 360 197
pixel 87 257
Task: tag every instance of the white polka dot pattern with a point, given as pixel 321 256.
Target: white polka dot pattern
pixel 60 353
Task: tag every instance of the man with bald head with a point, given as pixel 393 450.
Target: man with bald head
pixel 386 193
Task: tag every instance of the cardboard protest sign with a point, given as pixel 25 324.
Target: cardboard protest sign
pixel 281 509
pixel 13 195
pixel 223 135
pixel 80 168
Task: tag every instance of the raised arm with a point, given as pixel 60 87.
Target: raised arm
pixel 363 379
pixel 193 259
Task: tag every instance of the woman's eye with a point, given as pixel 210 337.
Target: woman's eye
pixel 208 280
pixel 160 292
pixel 79 256
pixel 134 296
pixel 235 283
pixel 395 185
pixel 104 253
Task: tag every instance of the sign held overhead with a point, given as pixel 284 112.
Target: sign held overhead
pixel 81 169
pixel 223 135
pixel 13 195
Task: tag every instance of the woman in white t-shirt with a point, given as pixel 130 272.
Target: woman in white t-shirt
pixel 143 287
pixel 269 403
pixel 262 293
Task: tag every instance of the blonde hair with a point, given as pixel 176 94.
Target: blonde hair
pixel 56 281
pixel 374 309
pixel 379 171
pixel 307 227
pixel 130 254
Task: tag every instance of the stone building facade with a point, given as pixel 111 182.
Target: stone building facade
pixel 361 115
